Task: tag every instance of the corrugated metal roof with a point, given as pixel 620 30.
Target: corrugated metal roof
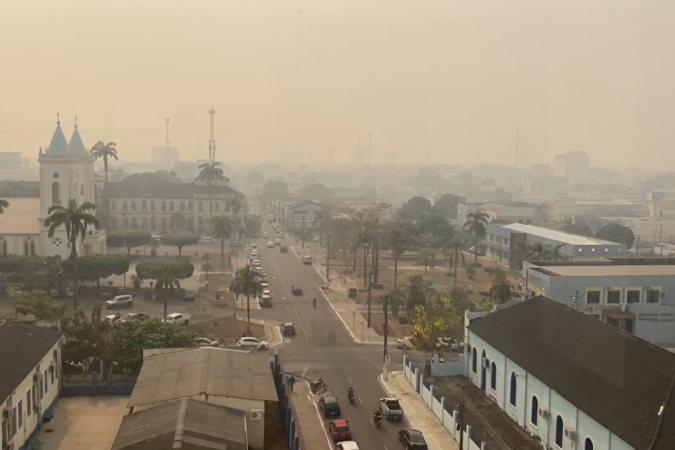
pixel 559 236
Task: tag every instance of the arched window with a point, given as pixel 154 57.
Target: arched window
pixel 56 193
pixel 474 359
pixel 559 431
pixel 534 413
pixel 514 389
pixel 588 444
pixel 29 247
pixel 493 376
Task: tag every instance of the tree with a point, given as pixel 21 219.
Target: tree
pixel 246 283
pixel 165 281
pixel 128 239
pixel 315 191
pixel 235 206
pixel 435 224
pixel 321 221
pixel 177 221
pixel 500 290
pixel 253 225
pixel 435 320
pixel 133 337
pixel 36 303
pixel 179 241
pixel 447 205
pixel 455 251
pixel 94 268
pixel 398 238
pixel 615 232
pixel 580 228
pixel 104 151
pixel 470 270
pixel 222 229
pixel 76 220
pixel 151 270
pixel 396 300
pixel 415 207
pixel 428 244
pixel 4 204
pixel 208 173
pixel 541 252
pixel 158 177
pixel 89 339
pixel 488 182
pixel 476 223
pixel 416 290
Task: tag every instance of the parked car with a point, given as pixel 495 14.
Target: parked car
pixel 391 409
pixel 251 342
pixel 307 259
pixel 178 318
pixel 347 445
pixel 206 342
pixel 265 300
pixel 264 285
pixel 288 329
pixel 120 301
pixel 412 439
pixel 254 246
pixel 405 343
pixel 134 317
pixel 254 253
pixel 277 242
pixel 270 244
pixel 256 263
pixel 329 407
pixel 283 249
pixel 189 294
pixel 339 430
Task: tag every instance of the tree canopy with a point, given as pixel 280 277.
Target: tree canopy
pixel 415 207
pixel 128 238
pixel 151 270
pixel 580 228
pixel 160 176
pixel 447 205
pixel 316 191
pixel 94 268
pixel 179 241
pixel 615 232
pixel 36 303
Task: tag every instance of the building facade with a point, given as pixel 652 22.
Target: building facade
pixel 511 211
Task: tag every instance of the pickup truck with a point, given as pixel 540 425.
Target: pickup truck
pixel 391 409
pixel 178 318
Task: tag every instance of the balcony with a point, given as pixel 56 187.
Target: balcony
pixel 94 236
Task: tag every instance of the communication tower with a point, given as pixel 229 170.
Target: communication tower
pixel 212 140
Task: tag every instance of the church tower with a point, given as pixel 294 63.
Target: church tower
pixel 66 172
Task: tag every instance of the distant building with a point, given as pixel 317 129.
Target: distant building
pixel 511 211
pixel 14 167
pixel 164 156
pixel 575 166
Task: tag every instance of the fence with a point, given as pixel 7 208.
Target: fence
pixel 95 384
pixel 442 410
pixel 294 438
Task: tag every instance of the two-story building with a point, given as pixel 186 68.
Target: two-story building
pixel 636 295
pixel 30 380
pixel 520 212
pixel 571 381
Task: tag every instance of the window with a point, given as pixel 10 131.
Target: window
pixel 133 205
pixel 559 431
pixel 534 413
pixel 593 297
pixel 633 296
pixel 113 205
pixel 191 224
pixel 125 206
pixel 144 205
pixel 13 423
pixel 29 247
pixel 493 376
pixel 3 247
pixel 51 373
pixel 613 297
pixel 152 223
pixel 200 207
pixel 474 360
pixel 200 221
pixel 134 223
pixel 514 389
pixel 163 206
pixel 29 410
pixel 189 206
pixel 588 444
pixel 20 413
pixel 56 193
pixel 82 189
pixel 152 206
pixel 163 223
pixel 216 206
pixel 182 206
pixel 653 296
pixel 170 206
pixel 145 223
pixel 45 380
pixel 125 223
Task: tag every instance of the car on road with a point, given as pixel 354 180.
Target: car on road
pixel 339 430
pixel 120 301
pixel 296 290
pixel 307 259
pixel 265 300
pixel 277 242
pixel 347 445
pixel 134 317
pixel 472 251
pixel 391 409
pixel 412 439
pixel 405 343
pixel 266 234
pixel 264 285
pixel 112 318
pixel 205 239
pixel 254 252
pixel 329 407
pixel 288 329
pixel 270 244
pixel 206 342
pixel 254 246
pixel 178 318
pixel 251 342
pixel 283 249
pixel 189 294
pixel 256 263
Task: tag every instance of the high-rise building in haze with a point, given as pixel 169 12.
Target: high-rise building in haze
pixel 575 166
pixel 165 156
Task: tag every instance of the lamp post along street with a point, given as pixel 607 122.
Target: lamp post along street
pixel 385 307
pixel 124 238
pixel 370 300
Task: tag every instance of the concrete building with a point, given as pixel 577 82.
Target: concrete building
pixel 30 380
pixel 575 166
pixel 573 382
pixel 635 295
pixel 164 156
pixel 512 211
pixel 509 244
pixel 300 215
pixel 233 379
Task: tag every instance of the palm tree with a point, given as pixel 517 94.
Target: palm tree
pixel 222 229
pixel 396 301
pixel 397 238
pixel 476 223
pixel 210 172
pixel 165 282
pixel 236 206
pixel 416 291
pixel 75 219
pixel 246 283
pixel 500 291
pixel 104 151
pixel 4 204
pixel 455 251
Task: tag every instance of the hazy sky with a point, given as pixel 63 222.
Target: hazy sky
pixel 299 76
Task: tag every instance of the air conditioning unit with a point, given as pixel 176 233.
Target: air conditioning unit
pixel 484 362
pixel 543 413
pixel 256 414
pixel 590 308
pixel 570 434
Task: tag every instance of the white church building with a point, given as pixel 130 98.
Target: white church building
pixel 66 172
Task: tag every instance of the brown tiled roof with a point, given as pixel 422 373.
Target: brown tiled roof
pixel 213 371
pixel 124 189
pixel 617 379
pixel 22 346
pixel 190 424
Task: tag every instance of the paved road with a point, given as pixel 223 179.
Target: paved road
pixel 323 348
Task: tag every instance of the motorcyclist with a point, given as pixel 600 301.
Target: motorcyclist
pixel 314 302
pixel 350 393
pixel 377 416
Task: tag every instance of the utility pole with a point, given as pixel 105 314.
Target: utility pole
pixel 167 142
pixel 370 299
pixel 385 307
pixel 328 259
pixel 212 140
pixel 460 421
pixel 303 232
pixel 575 297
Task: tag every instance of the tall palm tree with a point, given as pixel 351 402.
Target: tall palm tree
pixel 165 282
pixel 246 283
pixel 456 254
pixel 222 229
pixel 476 223
pixel 397 238
pixel 75 219
pixel 4 204
pixel 210 172
pixel 104 151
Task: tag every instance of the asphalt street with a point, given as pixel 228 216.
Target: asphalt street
pixel 323 348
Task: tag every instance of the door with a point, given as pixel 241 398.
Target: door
pixel 482 370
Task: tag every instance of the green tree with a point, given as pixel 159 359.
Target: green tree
pixel 541 252
pixel 4 204
pixel 104 151
pixel 615 232
pixel 476 224
pixel 36 303
pixel 208 173
pixel 128 239
pixel 179 241
pixel 177 221
pixel 397 299
pixel 315 191
pixel 500 290
pixel 76 220
pixel 274 190
pixel 455 252
pixel 581 228
pixel 470 270
pixel 447 205
pixel 253 225
pixel 435 224
pixel 134 337
pixel 416 291
pixel 415 207
pixel 435 320
pixel 151 270
pixel 246 283
pixel 165 281
pixel 398 237
pixel 222 229
pixel 94 268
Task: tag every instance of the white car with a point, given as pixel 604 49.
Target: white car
pixel 256 263
pixel 251 342
pixel 347 445
pixel 206 342
pixel 270 244
pixel 254 246
pixel 266 235
pixel 264 285
pixel 205 239
pixel 254 252
pixel 178 318
pixel 405 343
pixel 266 291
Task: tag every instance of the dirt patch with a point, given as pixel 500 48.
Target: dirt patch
pixel 225 328
pixel 396 330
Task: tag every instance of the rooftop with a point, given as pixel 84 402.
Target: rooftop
pixel 611 271
pixel 22 347
pixel 58 147
pixel 212 371
pixel 124 189
pixel 554 235
pixel 188 424
pixel 21 217
pixel 617 379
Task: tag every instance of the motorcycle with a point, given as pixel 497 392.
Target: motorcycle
pixel 318 386
pixel 377 418
pixel 350 396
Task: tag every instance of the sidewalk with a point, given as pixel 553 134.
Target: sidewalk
pixel 310 426
pixel 417 413
pixel 272 332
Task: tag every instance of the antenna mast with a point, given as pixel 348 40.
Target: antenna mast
pixel 212 141
pixel 167 143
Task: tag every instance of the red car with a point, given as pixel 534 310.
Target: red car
pixel 339 430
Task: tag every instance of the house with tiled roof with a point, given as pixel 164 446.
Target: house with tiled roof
pixel 571 380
